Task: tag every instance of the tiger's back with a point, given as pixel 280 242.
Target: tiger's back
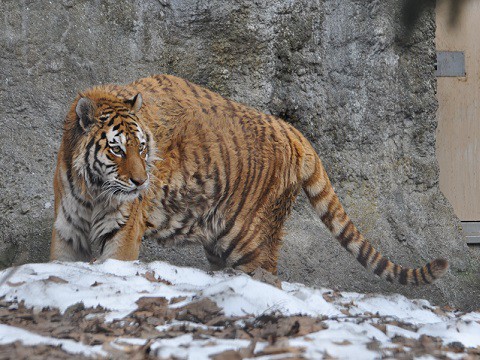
pixel 225 175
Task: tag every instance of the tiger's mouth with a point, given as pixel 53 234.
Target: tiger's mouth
pixel 136 189
pixel 119 189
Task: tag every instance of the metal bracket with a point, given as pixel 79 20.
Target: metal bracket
pixel 450 63
pixel 471 230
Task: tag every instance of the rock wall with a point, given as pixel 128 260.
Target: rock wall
pixel 343 71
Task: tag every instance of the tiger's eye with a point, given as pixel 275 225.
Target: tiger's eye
pixel 117 150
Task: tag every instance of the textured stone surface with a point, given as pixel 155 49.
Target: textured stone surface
pixel 342 71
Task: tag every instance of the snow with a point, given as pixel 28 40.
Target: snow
pixel 184 347
pixel 352 320
pixel 396 305
pixel 9 334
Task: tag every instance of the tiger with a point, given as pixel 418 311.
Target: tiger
pixel 164 159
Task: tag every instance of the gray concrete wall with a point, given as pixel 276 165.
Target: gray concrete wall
pixel 343 71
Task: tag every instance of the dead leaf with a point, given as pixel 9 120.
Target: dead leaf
pixel 266 277
pixel 56 279
pixel 150 276
pixel 328 298
pixel 178 299
pixel 381 327
pixel 344 342
pixel 15 284
pixel 228 355
pixel 276 350
pixel 200 312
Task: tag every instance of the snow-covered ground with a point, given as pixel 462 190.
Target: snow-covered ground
pixel 174 312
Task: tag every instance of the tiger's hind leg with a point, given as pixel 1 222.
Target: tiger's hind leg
pixel 264 256
pixel 216 262
pixel 260 246
pixel 256 248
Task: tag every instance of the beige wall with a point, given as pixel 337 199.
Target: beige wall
pixel 458 133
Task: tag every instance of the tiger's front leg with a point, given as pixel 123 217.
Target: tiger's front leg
pixel 69 249
pixel 120 236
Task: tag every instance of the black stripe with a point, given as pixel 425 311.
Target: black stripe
pixel 259 204
pixel 104 215
pixel 429 269
pixel 381 266
pixel 182 229
pixel 331 210
pixel 415 276
pixel 73 191
pixel 91 177
pixel 227 193
pixel 424 276
pixel 96 161
pixel 255 177
pixel 192 89
pixel 322 194
pixel 107 237
pixel 369 253
pixel 360 257
pixel 217 184
pixel 112 120
pixel 207 95
pixel 345 240
pixel 290 142
pixel 70 220
pixel 352 237
pixel 247 258
pixel 403 277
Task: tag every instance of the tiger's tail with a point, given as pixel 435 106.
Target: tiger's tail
pixel 322 196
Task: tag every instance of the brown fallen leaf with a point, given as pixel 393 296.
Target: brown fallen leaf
pixel 276 350
pixel 56 279
pixel 15 284
pixel 201 311
pixel 264 276
pixel 344 342
pixel 150 276
pixel 230 355
pixel 328 298
pixel 178 299
pixel 381 327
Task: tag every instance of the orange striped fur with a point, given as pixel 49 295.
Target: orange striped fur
pixel 170 160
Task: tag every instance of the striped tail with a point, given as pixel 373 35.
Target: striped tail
pixel 322 196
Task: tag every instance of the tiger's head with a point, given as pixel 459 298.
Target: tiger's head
pixel 115 150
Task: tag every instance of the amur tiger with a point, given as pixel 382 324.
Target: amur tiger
pixel 166 159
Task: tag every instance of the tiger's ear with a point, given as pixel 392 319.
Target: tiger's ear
pixel 135 103
pixel 85 110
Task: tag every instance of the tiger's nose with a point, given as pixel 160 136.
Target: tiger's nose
pixel 139 181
